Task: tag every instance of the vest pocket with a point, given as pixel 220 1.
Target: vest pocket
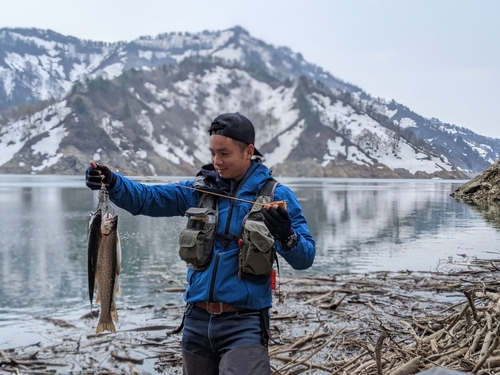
pixel 257 252
pixel 196 242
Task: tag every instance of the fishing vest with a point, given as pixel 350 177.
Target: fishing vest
pixel 256 244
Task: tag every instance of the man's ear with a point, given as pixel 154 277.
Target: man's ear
pixel 249 151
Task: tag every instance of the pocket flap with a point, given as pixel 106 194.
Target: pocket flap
pixel 259 236
pixel 188 238
pixel 198 211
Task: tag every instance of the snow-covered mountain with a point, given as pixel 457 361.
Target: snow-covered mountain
pixel 146 105
pixel 41 64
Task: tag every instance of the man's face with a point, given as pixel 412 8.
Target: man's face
pixel 228 159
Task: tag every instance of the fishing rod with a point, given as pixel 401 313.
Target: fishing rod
pixel 273 204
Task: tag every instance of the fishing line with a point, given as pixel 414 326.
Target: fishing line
pixel 104 202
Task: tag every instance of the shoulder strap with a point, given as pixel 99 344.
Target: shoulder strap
pixel 268 188
pixel 268 191
pixel 208 201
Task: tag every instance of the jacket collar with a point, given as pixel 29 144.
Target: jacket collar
pixel 207 179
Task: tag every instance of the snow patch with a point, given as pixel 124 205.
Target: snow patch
pixel 142 154
pixel 286 142
pixel 112 71
pixel 15 134
pixel 152 169
pixel 375 140
pixel 407 123
pixel 48 146
pixel 148 55
pixel 163 147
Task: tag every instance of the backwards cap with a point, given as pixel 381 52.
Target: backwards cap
pixel 234 126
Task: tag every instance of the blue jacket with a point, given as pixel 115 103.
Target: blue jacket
pixel 219 282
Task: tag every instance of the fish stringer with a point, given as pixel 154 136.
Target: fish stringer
pixel 104 203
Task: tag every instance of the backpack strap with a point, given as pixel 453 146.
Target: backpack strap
pixel 268 188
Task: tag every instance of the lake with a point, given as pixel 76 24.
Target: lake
pixel 360 225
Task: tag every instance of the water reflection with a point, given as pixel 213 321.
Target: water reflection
pixel 358 225
pixel 363 225
pixel 489 212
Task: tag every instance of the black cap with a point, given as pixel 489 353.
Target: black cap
pixel 234 126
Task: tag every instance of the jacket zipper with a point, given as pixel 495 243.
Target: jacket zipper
pixel 226 241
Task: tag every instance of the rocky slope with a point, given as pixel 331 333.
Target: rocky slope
pixel 155 122
pixel 145 106
pixel 484 189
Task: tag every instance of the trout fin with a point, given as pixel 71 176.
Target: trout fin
pixel 118 291
pixel 98 297
pixel 114 314
pixel 118 255
pixel 105 326
pixel 118 265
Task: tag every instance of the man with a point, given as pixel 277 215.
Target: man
pixel 229 245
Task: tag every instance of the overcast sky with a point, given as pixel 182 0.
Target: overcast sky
pixel 440 58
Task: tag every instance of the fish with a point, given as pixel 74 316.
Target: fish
pixel 94 236
pixel 108 270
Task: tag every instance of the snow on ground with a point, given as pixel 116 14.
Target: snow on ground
pixel 275 105
pixel 43 84
pixel 114 128
pixel 353 153
pixel 51 63
pixel 376 140
pixel 17 62
pixel 163 147
pixel 16 134
pixel 286 142
pixel 382 108
pixel 48 146
pixel 44 44
pixel 407 123
pixel 230 53
pixel 7 77
pixel 165 97
pixel 448 129
pixel 279 104
pixel 204 44
pixel 113 70
pixel 141 153
pixel 96 59
pixel 413 161
pixel 77 72
pixel 148 55
pixel 482 150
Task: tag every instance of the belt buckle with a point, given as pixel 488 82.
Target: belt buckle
pixel 212 308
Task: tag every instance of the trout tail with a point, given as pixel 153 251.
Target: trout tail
pixel 105 326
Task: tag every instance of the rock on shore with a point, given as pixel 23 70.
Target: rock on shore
pixel 482 189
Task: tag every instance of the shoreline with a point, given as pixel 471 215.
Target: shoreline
pixel 332 324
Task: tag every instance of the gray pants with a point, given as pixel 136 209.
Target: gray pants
pixel 244 360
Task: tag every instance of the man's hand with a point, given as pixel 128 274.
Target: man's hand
pixel 97 174
pixel 278 222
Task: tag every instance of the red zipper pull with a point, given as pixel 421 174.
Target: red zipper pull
pixel 240 243
pixel 273 279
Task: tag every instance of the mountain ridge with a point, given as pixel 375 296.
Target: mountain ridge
pixel 196 76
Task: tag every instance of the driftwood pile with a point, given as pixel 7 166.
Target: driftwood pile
pixel 377 323
pixel 72 348
pixel 398 325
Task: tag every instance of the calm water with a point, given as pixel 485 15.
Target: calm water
pixel 359 225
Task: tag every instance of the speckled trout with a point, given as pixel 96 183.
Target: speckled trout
pixel 107 273
pixel 94 236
